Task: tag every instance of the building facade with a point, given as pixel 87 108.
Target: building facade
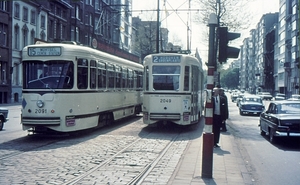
pixel 271 54
pixel 5 50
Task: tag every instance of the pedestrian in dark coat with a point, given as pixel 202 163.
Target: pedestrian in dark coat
pixel 220 114
pixel 222 93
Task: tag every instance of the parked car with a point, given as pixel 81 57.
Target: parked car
pixel 3 116
pixel 251 105
pixel 279 96
pixel 265 95
pixel 281 119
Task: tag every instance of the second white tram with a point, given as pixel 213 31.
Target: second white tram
pixel 173 88
pixel 70 87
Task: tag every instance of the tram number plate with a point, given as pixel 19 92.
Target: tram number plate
pixel 40 111
pixel 165 100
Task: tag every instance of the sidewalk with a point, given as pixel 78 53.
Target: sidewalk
pixel 228 165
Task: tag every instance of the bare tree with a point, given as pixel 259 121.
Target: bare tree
pixel 233 14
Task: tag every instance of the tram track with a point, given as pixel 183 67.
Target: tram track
pixel 124 172
pixel 123 154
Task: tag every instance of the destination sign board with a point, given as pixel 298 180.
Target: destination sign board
pixel 44 51
pixel 166 59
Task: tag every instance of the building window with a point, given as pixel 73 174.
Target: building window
pixel 77 34
pixel 4 5
pixel 32 36
pixel 63 32
pixel 17 11
pixel 43 35
pixel 43 21
pixel 57 36
pixel 3 34
pixel 51 30
pixel 17 37
pixel 3 72
pixel 25 14
pixel 25 36
pixel 32 21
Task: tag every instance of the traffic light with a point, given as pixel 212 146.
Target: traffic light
pixel 226 51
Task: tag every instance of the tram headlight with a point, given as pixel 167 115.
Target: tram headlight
pixel 40 103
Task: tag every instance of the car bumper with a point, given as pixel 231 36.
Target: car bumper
pixel 286 134
pixel 252 112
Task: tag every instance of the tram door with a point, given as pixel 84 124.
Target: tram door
pixel 194 93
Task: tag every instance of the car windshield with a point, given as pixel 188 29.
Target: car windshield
pixel 293 108
pixel 265 93
pixel 253 99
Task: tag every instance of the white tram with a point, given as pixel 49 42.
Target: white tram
pixel 70 87
pixel 173 88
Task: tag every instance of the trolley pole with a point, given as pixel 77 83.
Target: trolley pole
pixel 208 136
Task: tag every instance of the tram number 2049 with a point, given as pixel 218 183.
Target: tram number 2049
pixel 40 111
pixel 165 100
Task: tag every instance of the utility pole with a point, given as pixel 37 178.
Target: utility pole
pixel 157 28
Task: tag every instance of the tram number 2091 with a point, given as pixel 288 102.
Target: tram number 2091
pixel 40 111
pixel 165 100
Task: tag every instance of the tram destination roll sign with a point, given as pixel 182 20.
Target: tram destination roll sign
pixel 44 51
pixel 166 59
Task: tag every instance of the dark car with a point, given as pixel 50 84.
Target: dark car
pixel 281 119
pixel 251 105
pixel 3 116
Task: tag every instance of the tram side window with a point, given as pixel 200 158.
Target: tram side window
pixel 124 78
pixel 118 77
pixel 93 74
pixel 101 75
pixel 166 77
pixel 146 71
pixel 111 76
pixel 140 79
pixel 130 79
pixel 82 73
pixel 186 78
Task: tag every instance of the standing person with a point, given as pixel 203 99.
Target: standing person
pixel 222 93
pixel 220 111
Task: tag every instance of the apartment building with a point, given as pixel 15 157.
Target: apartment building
pixel 270 55
pixel 5 50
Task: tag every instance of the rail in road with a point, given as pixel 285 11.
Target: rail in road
pixel 105 158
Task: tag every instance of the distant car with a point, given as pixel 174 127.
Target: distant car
pixel 265 95
pixel 251 105
pixel 296 96
pixel 234 96
pixel 279 96
pixel 239 98
pixel 3 116
pixel 281 119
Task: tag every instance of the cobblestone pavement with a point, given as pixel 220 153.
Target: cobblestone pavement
pixel 110 158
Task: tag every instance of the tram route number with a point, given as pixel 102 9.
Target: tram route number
pixel 40 111
pixel 165 100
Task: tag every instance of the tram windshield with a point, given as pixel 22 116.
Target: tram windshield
pixel 166 77
pixel 52 74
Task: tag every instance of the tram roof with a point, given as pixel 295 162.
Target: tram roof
pixel 85 50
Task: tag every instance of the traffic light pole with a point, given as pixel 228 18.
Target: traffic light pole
pixel 208 136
